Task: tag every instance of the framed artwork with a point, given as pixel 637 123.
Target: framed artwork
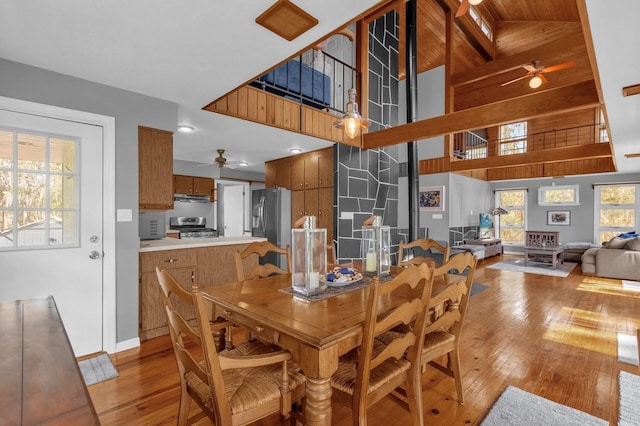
pixel 558 217
pixel 431 199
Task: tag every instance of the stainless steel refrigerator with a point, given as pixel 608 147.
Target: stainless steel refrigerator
pixel 271 219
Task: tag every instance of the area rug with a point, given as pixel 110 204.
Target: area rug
pixel 516 407
pixel 628 349
pixel 629 414
pixel 631 285
pixel 97 369
pixel 478 288
pixel 517 264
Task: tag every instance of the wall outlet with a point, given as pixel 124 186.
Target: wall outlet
pixel 124 215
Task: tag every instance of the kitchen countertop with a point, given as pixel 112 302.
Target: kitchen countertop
pixel 174 243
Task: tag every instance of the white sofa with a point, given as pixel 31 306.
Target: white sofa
pixel 618 258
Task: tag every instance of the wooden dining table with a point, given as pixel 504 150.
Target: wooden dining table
pixel 316 333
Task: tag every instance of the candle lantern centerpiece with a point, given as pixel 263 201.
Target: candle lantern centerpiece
pixel 376 244
pixel 309 258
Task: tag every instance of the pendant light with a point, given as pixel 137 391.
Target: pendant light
pixel 352 121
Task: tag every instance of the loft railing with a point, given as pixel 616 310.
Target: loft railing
pixel 314 78
pixel 469 146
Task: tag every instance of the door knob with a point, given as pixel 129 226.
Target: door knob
pixel 94 255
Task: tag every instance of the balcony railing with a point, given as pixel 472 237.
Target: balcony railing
pixel 469 146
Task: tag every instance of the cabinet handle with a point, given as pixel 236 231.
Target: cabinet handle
pixel 259 328
pixel 171 260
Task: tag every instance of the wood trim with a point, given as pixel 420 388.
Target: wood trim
pixel 565 99
pixel 631 90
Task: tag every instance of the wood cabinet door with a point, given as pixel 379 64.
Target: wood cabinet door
pixel 155 169
pixel 325 168
pixel 311 203
pixel 297 205
pixel 182 184
pixel 270 171
pixel 311 171
pixel 297 173
pixel 202 185
pixel 325 211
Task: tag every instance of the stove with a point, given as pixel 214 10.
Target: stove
pixel 192 227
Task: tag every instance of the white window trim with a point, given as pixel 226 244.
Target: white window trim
pixel 543 189
pixel 497 225
pixel 597 206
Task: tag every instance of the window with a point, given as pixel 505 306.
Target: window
pixel 510 227
pixel 616 210
pixel 513 138
pixel 38 190
pixel 561 195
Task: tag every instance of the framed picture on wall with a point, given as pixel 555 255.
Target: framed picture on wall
pixel 431 199
pixel 558 217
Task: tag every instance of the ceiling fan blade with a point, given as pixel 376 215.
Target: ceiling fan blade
pixel 559 66
pixel 464 8
pixel 543 78
pixel 514 80
pixel 529 68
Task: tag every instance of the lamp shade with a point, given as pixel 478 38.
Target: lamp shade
pixel 352 121
pixel 535 82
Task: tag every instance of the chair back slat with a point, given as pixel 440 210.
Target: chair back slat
pixel 259 250
pixel 425 245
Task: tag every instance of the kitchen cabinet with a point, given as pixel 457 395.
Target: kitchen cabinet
pixel 192 185
pixel 207 266
pixel 277 173
pixel 325 168
pixel 182 265
pixel 314 202
pixel 155 169
pixel 304 171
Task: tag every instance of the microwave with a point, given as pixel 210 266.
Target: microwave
pixel 151 226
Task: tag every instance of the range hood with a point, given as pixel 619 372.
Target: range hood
pixel 187 198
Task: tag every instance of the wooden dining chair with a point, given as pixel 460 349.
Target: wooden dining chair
pixel 262 249
pixel 424 246
pixel 365 378
pixel 442 336
pixel 232 387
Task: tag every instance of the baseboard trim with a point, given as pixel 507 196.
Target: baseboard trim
pixel 128 344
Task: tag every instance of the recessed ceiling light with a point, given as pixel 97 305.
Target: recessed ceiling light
pixel 185 129
pixel 295 150
pixel 243 164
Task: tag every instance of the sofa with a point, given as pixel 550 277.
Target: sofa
pixel 618 258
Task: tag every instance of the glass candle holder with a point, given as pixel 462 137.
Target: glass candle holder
pixel 309 259
pixel 375 249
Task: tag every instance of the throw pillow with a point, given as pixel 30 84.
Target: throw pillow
pixel 633 244
pixel 617 243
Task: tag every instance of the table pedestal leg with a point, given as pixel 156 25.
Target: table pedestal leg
pixel 318 402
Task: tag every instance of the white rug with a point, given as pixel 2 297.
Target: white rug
pixel 629 414
pixel 628 349
pixel 97 369
pixel 517 264
pixel 516 407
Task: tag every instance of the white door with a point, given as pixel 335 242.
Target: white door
pixel 233 210
pixel 55 244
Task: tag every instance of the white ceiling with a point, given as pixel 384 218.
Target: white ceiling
pixel 196 51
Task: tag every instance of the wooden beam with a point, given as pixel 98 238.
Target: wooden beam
pixel 565 47
pixel 631 90
pixel 565 99
pixel 580 152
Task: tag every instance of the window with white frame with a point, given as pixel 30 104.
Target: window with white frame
pixel 560 195
pixel 39 195
pixel 510 227
pixel 513 138
pixel 616 210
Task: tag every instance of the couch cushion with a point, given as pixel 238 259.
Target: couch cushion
pixel 633 244
pixel 616 243
pixel 589 256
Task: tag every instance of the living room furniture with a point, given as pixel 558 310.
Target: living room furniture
pixel 41 379
pixel 544 255
pixel 573 251
pixel 617 259
pixel 417 251
pixel 492 246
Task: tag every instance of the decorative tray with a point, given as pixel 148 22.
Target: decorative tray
pixel 341 276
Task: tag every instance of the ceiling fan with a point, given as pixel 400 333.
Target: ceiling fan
pixel 464 6
pixel 220 160
pixel 537 72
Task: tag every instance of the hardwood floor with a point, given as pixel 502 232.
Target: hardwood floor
pixel 554 337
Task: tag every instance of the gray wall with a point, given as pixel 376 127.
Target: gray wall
pixel 130 110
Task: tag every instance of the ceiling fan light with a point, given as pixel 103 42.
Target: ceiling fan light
pixel 352 121
pixel 475 2
pixel 535 82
